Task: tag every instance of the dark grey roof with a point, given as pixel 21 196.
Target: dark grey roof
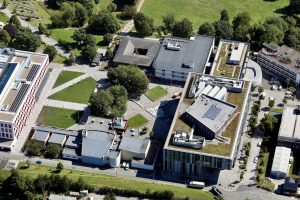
pixel 134 144
pixel 192 52
pixel 56 138
pixel 126 51
pixel 96 143
pixel 40 135
pixel 73 141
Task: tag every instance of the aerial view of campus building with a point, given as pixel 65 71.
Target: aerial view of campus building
pixel 206 128
pixel 21 75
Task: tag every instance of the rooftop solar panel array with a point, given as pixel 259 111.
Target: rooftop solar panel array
pixel 19 98
pixel 33 71
pixel 6 74
pixel 212 112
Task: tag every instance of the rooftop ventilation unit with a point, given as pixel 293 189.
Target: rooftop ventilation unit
pixel 174 46
pixel 16 85
pixel 4 107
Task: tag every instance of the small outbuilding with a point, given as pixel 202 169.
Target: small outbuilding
pixel 280 166
pixel 133 147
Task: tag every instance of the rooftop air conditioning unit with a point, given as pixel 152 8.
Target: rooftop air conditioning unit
pixel 4 107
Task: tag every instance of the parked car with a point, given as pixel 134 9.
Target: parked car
pixel 127 166
pixel 38 162
pixel 255 159
pixel 259 144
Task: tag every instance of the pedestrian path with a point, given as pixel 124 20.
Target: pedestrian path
pixel 65 104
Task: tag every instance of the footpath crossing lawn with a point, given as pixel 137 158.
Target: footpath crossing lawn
pixel 156 93
pixel 59 117
pixel 66 76
pixel 101 180
pixel 137 121
pixel 78 93
pixel 200 11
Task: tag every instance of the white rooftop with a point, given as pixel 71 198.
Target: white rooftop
pixel 237 52
pixel 281 159
pixel 290 123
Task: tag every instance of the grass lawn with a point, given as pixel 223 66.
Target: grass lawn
pixel 200 11
pixel 78 93
pixel 66 76
pixel 137 121
pixel 156 93
pixel 101 180
pixel 59 117
pixel 3 17
pixel 62 34
pixel 59 59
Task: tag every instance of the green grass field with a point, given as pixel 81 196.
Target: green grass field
pixel 100 180
pixel 3 17
pixel 78 93
pixel 59 117
pixel 156 93
pixel 200 11
pixel 137 121
pixel 66 76
pixel 59 59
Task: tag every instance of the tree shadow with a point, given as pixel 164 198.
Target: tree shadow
pixel 76 116
pixel 287 10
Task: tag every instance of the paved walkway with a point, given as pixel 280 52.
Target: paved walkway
pixel 47 40
pixel 65 104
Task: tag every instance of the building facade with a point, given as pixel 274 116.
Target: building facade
pixel 21 73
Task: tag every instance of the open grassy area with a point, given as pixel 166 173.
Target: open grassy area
pixel 3 17
pixel 59 117
pixel 200 11
pixel 137 121
pixel 66 76
pixel 62 34
pixel 79 92
pixel 101 180
pixel 59 59
pixel 156 93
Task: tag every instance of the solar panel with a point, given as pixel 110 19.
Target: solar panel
pixel 19 98
pixel 6 74
pixel 33 71
pixel 212 112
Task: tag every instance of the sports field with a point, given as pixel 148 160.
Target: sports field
pixel 200 11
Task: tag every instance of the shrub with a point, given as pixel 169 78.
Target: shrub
pixel 34 148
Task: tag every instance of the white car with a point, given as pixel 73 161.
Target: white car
pixel 127 166
pixel 255 160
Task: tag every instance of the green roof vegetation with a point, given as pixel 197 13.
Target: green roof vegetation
pixel 59 117
pixel 78 93
pixel 156 93
pixel 137 121
pixel 66 76
pixel 200 11
pixel 101 180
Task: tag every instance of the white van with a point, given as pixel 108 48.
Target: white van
pixel 196 184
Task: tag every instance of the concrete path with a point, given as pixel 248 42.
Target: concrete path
pixel 65 104
pixel 47 40
pixel 68 84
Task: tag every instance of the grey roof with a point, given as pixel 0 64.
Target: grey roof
pixel 60 197
pixel 281 159
pixel 57 130
pixel 211 112
pixel 290 123
pixel 56 138
pixel 192 52
pixel 134 144
pixel 40 135
pixel 99 124
pixel 73 141
pixel 126 51
pixel 96 143
pixel 68 151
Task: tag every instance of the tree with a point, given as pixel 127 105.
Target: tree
pixel 28 163
pixel 88 4
pixel 43 30
pixel 183 28
pixel 242 19
pixel 5 3
pixel 271 103
pixel 103 23
pixel 260 89
pixel 81 15
pixel 284 101
pixel 80 184
pixel 112 7
pixel 41 183
pixel 34 148
pixel 223 30
pixel 59 167
pixel 79 36
pixel 131 77
pixel 52 151
pixel 120 97
pixel 4 37
pixel 144 25
pixel 100 103
pixel 15 21
pixel 287 82
pixel 109 196
pixel 206 29
pixel 224 15
pixel 71 59
pixel 108 38
pixel 128 12
pixel 11 29
pixel 292 38
pixel 88 53
pixel 267 123
pixel 169 21
pixel 89 40
pixel 272 34
pixel 51 51
pixel 26 40
pixel 241 33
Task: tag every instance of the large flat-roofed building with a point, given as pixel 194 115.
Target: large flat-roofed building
pixel 207 125
pixel 289 132
pixel 280 166
pixel 179 56
pixel 281 62
pixel 136 51
pixel 21 74
pixel 230 58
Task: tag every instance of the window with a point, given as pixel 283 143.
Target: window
pixel 9 126
pixel 5 125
